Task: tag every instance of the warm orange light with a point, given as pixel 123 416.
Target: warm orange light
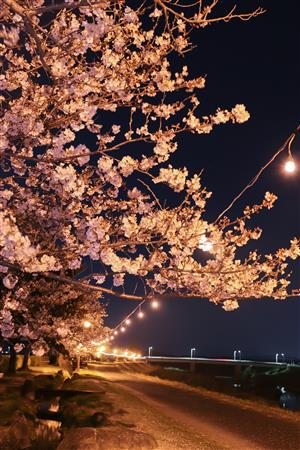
pixel 87 324
pixel 128 321
pixel 123 329
pixel 115 333
pixel 141 314
pixel 290 166
pixel 205 244
pixel 154 304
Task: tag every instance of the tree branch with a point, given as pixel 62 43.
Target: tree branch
pixel 18 9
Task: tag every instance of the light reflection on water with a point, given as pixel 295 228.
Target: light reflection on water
pixel 49 431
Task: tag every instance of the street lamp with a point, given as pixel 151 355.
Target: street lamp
pixel 235 355
pixel 193 350
pixel 276 357
pixel 283 357
pixel 150 352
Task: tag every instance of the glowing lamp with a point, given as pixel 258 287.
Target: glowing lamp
pixel 123 329
pixel 141 314
pixel 205 245
pixel 128 321
pixel 154 304
pixel 290 166
pixel 87 324
pixel 115 333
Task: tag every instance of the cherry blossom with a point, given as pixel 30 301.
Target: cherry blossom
pixel 91 115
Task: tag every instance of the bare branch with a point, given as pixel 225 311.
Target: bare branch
pixel 257 176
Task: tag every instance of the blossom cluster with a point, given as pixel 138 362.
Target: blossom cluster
pixel 80 188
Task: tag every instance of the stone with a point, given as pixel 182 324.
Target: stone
pixel 21 431
pixel 98 419
pixel 107 438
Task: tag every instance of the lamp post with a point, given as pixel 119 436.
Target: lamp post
pixel 283 357
pixel 276 357
pixel 235 353
pixel 193 350
pixel 150 352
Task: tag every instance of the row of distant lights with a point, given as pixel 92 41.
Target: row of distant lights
pixel 122 327
pixel 101 349
pixel 117 353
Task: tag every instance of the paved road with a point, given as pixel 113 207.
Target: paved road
pixel 232 424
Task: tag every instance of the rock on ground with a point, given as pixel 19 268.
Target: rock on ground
pixel 107 438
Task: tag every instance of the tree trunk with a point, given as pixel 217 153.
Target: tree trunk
pixel 12 365
pixel 77 362
pixel 26 358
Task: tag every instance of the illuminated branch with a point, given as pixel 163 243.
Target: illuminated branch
pixel 259 173
pixel 69 6
pixel 202 17
pixel 18 9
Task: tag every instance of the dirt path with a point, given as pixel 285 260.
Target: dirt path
pixel 191 419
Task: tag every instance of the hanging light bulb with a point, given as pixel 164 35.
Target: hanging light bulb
pixel 123 329
pixel 112 338
pixel 116 332
pixel 290 165
pixel 154 304
pixel 128 321
pixel 140 313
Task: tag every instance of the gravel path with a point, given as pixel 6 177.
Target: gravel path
pixel 169 433
pixel 187 418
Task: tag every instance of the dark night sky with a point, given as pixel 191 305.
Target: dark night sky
pixel 255 63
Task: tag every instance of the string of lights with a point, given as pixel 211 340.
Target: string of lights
pixel 121 327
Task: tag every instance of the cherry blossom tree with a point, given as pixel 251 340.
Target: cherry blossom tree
pixel 91 112
pixel 41 314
